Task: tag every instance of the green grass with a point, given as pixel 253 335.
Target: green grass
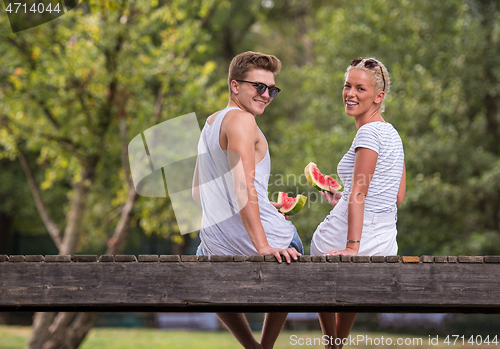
pixel 16 337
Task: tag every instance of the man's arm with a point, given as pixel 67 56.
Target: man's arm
pixel 240 130
pixel 242 134
pixel 195 190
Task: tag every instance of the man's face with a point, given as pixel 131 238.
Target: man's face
pixel 247 95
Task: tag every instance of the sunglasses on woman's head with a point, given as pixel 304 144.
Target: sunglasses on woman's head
pixel 261 88
pixel 369 63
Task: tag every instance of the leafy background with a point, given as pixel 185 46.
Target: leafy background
pixel 172 59
pixel 76 90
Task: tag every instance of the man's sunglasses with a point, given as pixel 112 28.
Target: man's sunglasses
pixel 370 63
pixel 261 88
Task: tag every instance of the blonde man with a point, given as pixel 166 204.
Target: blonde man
pixel 231 182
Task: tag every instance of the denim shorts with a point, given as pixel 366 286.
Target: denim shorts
pixel 295 243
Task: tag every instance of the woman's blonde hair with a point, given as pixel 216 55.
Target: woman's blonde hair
pixel 378 73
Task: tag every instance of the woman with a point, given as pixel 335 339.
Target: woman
pixel 363 220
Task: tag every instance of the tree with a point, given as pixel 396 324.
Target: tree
pixel 77 89
pixel 74 91
pixel 442 57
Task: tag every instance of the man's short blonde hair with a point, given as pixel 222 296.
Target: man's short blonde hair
pixel 246 61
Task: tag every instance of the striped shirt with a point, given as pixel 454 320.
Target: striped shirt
pixel 382 138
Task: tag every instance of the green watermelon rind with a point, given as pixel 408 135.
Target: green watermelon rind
pixel 299 204
pixel 308 169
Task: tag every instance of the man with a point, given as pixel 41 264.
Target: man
pixel 231 182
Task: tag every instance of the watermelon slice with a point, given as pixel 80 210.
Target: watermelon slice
pixel 291 205
pixel 319 181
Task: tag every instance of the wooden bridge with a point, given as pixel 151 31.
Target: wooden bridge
pixel 172 283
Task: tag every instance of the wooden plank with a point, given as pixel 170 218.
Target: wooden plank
pixel 377 259
pixel 125 258
pixel 34 258
pixel 361 259
pixel 491 259
pixel 250 286
pixel 108 258
pixel 189 258
pixel 221 258
pixel 427 259
pixel 410 259
pixel 16 258
pixel 170 258
pixel 148 258
pixel 83 258
pixel 470 259
pixel 255 258
pixel 58 258
pixel 333 259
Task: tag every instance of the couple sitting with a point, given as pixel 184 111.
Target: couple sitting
pixel 233 168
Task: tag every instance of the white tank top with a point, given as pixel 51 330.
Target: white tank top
pixel 222 231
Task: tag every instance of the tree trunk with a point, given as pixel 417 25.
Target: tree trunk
pixel 73 220
pixel 41 324
pixel 51 330
pixel 68 330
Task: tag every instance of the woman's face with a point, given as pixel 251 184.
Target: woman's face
pixel 359 94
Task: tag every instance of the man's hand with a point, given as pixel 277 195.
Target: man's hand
pixel 333 198
pixel 277 252
pixel 278 206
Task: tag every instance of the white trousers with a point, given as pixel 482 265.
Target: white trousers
pixel 378 237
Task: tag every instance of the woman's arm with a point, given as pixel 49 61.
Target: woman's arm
pixel 402 187
pixel 364 168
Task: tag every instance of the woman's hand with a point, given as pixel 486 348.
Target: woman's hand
pixel 333 198
pixel 347 252
pixel 278 206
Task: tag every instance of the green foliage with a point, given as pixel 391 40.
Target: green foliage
pixel 70 83
pixel 443 100
pixel 445 82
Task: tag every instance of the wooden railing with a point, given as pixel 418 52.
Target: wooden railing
pixel 448 284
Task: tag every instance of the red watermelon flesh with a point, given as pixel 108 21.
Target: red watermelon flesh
pixel 318 180
pixel 291 205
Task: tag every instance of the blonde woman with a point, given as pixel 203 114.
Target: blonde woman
pixel 363 220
